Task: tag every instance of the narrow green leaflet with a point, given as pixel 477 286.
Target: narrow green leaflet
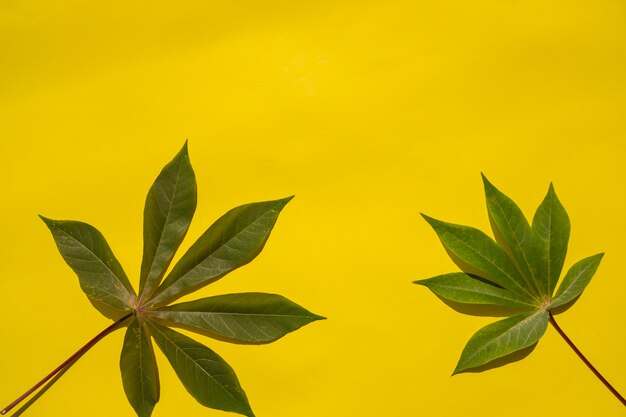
pixel 515 235
pixel 140 375
pixel 551 223
pixel 576 280
pixel 170 205
pixel 240 318
pixel 207 377
pixel 502 338
pixel 479 255
pixel 463 288
pixel 232 241
pixel 100 274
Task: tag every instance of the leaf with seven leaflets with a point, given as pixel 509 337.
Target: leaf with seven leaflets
pixel 233 241
pixel 519 271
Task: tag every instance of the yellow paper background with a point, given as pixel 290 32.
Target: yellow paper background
pixel 368 111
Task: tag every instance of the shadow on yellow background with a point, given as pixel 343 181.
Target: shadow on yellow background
pixel 369 112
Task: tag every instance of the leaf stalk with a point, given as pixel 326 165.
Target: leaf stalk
pixel 67 362
pixel 585 360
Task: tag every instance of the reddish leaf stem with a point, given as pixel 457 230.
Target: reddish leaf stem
pixel 582 357
pixel 68 361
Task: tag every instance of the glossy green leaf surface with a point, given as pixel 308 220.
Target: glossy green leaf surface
pixel 551 223
pixel 170 205
pixel 520 269
pixel 463 288
pixel 576 280
pixel 515 236
pixel 502 338
pixel 207 377
pixel 140 375
pixel 241 318
pixel 100 274
pixel 476 253
pixel 232 241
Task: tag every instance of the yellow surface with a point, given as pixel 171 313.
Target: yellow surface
pixel 369 112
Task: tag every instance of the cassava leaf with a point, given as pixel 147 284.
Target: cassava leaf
pixel 523 264
pixel 476 253
pixel 240 318
pixel 207 377
pixel 502 338
pixel 463 288
pixel 100 274
pixel 514 234
pixel 232 241
pixel 140 375
pixel 170 205
pixel 551 223
pixel 576 280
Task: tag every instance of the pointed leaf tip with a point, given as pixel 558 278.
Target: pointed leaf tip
pixel 185 148
pixel 48 221
pixel 430 220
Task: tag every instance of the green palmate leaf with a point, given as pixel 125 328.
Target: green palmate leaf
pixel 502 338
pixel 476 253
pixel 170 206
pixel 515 235
pixel 139 369
pixel 525 263
pixel 463 288
pixel 232 241
pixel 207 377
pixel 100 274
pixel 551 223
pixel 576 280
pixel 241 318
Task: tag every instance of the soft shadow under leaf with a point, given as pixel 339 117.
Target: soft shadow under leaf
pixel 486 310
pixel 504 360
